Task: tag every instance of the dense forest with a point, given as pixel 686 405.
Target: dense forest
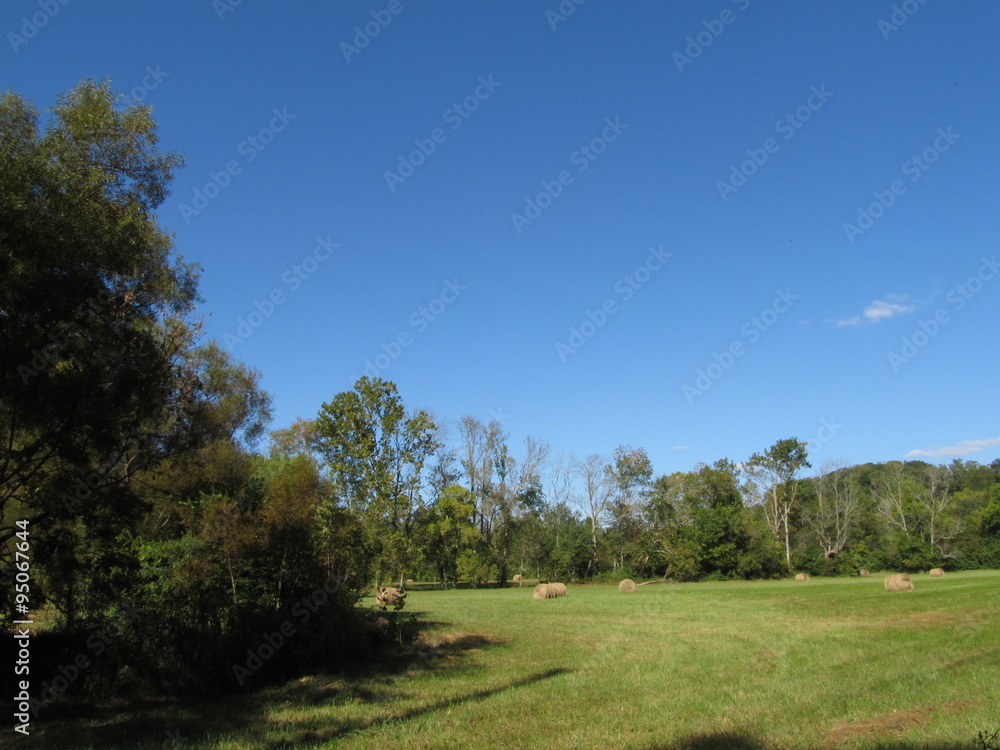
pixel 161 510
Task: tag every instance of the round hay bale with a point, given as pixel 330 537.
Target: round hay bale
pixel 541 591
pixel 864 573
pixel 517 578
pixel 802 577
pixel 627 586
pixel 898 582
pixel 937 572
pixel 390 597
pixel 559 589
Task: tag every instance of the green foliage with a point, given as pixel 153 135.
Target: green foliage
pixel 376 455
pixel 447 530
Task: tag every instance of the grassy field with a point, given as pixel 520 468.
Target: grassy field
pixel 829 663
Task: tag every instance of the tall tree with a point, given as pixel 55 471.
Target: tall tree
pixel 936 499
pixel 778 467
pixel 837 495
pixel 594 493
pixel 631 474
pixel 376 453
pixel 95 323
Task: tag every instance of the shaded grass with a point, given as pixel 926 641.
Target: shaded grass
pixel 833 663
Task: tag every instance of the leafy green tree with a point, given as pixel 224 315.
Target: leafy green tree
pixel 717 515
pixel 503 487
pixel 447 530
pixel 95 331
pixel 631 474
pixel 376 453
pixel 777 468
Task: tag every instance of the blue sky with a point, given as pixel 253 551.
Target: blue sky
pixel 692 227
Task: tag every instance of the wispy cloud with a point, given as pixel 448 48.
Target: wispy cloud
pixel 680 447
pixel 963 448
pixel 879 309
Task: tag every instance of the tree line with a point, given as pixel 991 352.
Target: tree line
pixel 168 526
pixel 473 510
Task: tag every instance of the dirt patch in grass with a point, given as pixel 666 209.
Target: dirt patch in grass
pixel 766 659
pixel 894 724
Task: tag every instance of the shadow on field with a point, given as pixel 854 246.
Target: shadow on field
pixel 720 741
pixel 731 741
pixel 246 719
pixel 309 738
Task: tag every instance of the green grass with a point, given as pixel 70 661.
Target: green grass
pixel 835 663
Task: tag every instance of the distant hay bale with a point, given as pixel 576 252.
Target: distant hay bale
pixel 549 590
pixel 937 572
pixel 898 582
pixel 388 596
pixel 864 573
pixel 802 577
pixel 627 586
pixel 517 578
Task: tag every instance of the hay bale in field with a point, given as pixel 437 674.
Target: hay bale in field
pixel 864 573
pixel 516 578
pixel 627 586
pixel 937 572
pixel 898 582
pixel 388 596
pixel 549 590
pixel 802 577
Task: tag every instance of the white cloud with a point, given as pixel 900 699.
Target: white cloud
pixel 879 309
pixel 680 447
pixel 963 448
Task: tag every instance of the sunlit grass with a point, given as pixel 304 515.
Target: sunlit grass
pixel 825 663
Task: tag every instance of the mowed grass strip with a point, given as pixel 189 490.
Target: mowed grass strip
pixel 828 663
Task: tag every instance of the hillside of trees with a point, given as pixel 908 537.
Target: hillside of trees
pixel 165 518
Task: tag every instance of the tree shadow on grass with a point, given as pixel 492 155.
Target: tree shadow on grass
pixel 734 741
pixel 306 738
pixel 174 723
